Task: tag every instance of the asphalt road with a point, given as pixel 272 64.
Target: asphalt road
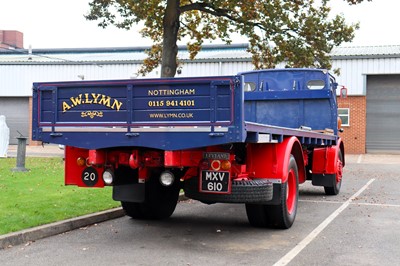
pixel 357 227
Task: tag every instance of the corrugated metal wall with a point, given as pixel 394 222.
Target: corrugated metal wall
pixel 354 71
pixel 16 80
pixel 213 69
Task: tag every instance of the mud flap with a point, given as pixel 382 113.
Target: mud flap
pixel 129 193
pixel 326 180
pixel 277 194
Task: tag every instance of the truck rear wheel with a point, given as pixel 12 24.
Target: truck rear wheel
pixel 281 215
pixel 160 201
pixel 339 174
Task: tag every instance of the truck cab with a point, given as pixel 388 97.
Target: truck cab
pixel 293 98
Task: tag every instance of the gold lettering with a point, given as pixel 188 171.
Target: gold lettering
pixel 92 98
pixel 87 98
pixel 116 104
pixel 95 97
pixel 105 100
pixel 76 101
pixel 66 107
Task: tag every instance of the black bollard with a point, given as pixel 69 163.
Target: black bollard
pixel 21 154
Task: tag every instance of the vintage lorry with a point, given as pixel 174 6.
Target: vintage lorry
pixel 250 138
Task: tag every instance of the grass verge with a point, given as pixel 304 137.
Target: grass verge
pixel 29 199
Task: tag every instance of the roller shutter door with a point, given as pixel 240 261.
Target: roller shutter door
pixel 383 114
pixel 16 111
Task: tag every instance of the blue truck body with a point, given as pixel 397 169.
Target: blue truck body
pixel 248 138
pixel 159 113
pixel 146 113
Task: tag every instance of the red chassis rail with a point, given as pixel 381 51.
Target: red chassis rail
pixel 267 161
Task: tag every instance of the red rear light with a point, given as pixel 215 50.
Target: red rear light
pixel 216 165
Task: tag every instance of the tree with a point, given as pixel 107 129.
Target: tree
pixel 297 32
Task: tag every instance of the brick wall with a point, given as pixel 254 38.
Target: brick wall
pixel 354 136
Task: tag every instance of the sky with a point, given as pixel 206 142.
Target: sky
pixel 61 24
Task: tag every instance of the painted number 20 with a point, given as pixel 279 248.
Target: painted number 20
pixel 89 176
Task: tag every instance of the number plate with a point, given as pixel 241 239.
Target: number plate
pixel 215 182
pixel 90 176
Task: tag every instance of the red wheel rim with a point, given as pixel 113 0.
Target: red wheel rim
pixel 339 171
pixel 291 193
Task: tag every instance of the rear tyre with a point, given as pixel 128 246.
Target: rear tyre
pixel 339 173
pixel 160 201
pixel 281 215
pixel 133 209
pixel 257 215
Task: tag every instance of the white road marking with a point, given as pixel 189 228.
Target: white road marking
pixel 360 157
pixel 376 204
pixel 354 203
pixel 310 237
pixel 321 201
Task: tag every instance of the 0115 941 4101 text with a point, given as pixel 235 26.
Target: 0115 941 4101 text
pixel 171 103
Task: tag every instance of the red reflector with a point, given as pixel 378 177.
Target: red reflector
pixel 216 165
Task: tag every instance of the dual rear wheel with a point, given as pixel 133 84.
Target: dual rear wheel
pixel 160 201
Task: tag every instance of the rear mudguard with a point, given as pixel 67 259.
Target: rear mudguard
pixel 325 159
pixel 325 164
pixel 271 160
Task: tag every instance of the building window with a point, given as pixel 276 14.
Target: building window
pixel 344 114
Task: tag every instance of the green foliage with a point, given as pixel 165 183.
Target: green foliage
pixel 300 33
pixel 39 196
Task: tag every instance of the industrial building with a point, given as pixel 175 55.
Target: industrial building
pixel 370 112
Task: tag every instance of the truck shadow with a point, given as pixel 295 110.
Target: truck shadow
pixel 201 227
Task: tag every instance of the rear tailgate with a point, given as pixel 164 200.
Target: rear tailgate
pixel 194 112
